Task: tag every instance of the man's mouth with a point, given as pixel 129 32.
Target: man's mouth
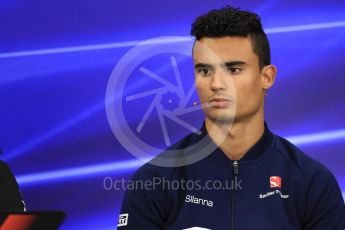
pixel 220 102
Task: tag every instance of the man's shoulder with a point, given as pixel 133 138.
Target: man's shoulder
pixel 308 166
pixel 152 168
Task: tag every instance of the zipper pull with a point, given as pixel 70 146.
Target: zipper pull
pixel 235 164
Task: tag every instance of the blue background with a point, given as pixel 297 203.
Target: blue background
pixel 54 72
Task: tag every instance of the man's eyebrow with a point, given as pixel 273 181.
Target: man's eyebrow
pixel 203 65
pixel 234 63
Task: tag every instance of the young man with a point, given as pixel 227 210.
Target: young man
pixel 253 179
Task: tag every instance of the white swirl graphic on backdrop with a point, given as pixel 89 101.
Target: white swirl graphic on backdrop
pixel 115 103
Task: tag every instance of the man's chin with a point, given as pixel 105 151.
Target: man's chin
pixel 222 119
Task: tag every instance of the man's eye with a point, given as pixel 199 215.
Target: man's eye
pixel 234 70
pixel 204 71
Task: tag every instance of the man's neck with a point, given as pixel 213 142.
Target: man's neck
pixel 237 138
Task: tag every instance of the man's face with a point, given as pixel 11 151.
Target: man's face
pixel 228 78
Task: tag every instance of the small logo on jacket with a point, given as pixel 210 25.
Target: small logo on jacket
pixel 275 182
pixel 123 220
pixel 195 200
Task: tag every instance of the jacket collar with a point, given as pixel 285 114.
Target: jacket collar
pixel 256 152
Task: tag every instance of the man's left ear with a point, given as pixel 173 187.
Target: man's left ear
pixel 268 76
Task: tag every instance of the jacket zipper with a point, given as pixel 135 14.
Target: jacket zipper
pixel 233 194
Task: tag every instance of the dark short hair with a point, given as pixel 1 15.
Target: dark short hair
pixel 230 21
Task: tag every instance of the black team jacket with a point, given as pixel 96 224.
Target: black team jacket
pixel 273 186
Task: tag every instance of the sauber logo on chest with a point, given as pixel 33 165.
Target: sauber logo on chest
pixel 195 200
pixel 275 182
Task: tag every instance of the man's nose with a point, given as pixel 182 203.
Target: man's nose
pixel 218 82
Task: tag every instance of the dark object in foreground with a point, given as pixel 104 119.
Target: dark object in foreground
pixel 47 220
